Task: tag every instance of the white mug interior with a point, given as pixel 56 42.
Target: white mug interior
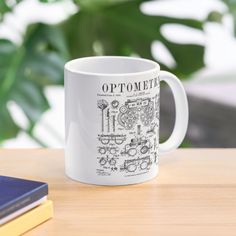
pixel 111 65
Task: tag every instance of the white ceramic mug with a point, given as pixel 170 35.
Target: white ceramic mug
pixel 112 119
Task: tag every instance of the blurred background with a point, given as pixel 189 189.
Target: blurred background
pixel 196 40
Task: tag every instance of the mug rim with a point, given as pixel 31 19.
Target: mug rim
pixel 155 66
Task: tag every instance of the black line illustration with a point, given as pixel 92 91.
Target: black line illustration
pixel 108 163
pixel 108 120
pixel 156 99
pixel 137 164
pixel 152 128
pixel 144 149
pixel 155 144
pixel 139 142
pixel 145 164
pixel 133 110
pixel 102 104
pixel 138 130
pixel 115 104
pixel 111 150
pixel 102 150
pixel 103 161
pixel 155 157
pixel 131 151
pixel 112 162
pixel 147 114
pixel 157 115
pixel 157 106
pixel 127 118
pixel 114 123
pixel 107 138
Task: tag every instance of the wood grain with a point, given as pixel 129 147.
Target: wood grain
pixel 194 194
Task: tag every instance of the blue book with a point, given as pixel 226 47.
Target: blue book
pixel 16 194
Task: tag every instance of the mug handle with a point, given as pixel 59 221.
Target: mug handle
pixel 181 112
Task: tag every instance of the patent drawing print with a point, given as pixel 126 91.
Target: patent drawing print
pixel 106 160
pixel 157 106
pixel 128 136
pixel 138 164
pixel 108 150
pixel 115 104
pixel 108 163
pixel 155 145
pixel 111 138
pixel 133 110
pixel 152 128
pixel 137 145
pixel 102 105
pixel 108 120
pixel 156 158
pixel 113 123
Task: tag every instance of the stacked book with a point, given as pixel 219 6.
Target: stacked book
pixel 23 205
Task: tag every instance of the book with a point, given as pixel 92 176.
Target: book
pixel 29 220
pixel 16 194
pixel 22 211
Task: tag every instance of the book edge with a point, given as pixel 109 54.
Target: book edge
pixel 34 195
pixel 29 220
pixel 22 210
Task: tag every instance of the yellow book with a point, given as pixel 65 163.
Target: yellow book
pixel 28 220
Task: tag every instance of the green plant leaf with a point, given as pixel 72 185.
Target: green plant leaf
pixel 232 10
pixel 26 70
pixel 122 29
pixel 4 7
pixel 101 27
pixel 91 5
pixel 49 1
pixel 8 128
pixel 7 6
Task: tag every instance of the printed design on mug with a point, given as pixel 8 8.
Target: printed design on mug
pixel 137 145
pixel 134 110
pixel 128 135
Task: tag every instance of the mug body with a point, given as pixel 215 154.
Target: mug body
pixel 112 120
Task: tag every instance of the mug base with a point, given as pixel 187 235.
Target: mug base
pixel 113 182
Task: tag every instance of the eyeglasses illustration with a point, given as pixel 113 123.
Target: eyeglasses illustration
pixel 104 150
pixel 103 161
pixel 140 163
pixel 107 138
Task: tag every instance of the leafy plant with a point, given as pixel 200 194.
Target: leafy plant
pixel 122 29
pixel 25 70
pixel 232 10
pixel 102 27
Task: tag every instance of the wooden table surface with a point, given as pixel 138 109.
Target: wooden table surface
pixel 194 194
